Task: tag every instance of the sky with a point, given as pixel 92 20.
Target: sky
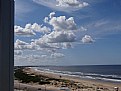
pixel 67 32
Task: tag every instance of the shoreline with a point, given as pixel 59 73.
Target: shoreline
pixel 77 77
pixel 91 85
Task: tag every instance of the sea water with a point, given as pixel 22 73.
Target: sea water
pixel 111 73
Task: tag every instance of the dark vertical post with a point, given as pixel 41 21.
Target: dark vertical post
pixel 6 44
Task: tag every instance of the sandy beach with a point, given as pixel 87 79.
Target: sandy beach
pixel 73 84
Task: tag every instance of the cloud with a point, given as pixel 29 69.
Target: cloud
pixel 19 42
pixel 37 58
pixel 83 28
pixel 66 45
pixel 103 27
pixel 30 58
pixel 87 39
pixel 63 31
pixel 61 23
pixel 34 56
pixel 46 19
pixel 42 44
pixel 30 29
pixel 18 30
pixel 52 47
pixel 17 52
pixel 44 56
pixel 63 5
pixel 51 15
pixel 57 55
pixel 71 3
pixel 58 36
pixel 21 45
pixel 39 28
pixel 61 36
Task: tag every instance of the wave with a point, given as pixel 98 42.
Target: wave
pixel 102 77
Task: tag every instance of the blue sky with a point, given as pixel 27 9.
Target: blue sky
pixel 67 32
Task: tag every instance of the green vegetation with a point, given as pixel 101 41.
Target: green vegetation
pixel 26 78
pixel 22 76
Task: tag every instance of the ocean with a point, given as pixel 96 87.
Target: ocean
pixel 109 73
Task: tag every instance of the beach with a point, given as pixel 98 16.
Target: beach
pixel 60 82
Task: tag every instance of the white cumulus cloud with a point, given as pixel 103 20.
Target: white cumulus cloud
pixel 58 36
pixel 21 45
pixel 51 15
pixel 19 42
pixel 30 29
pixel 18 30
pixel 39 28
pixel 87 39
pixel 61 36
pixel 62 23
